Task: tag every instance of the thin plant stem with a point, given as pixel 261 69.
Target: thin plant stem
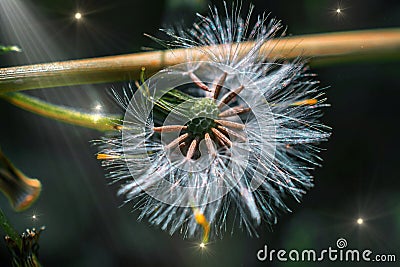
pixel 100 122
pixel 326 48
pixel 9 230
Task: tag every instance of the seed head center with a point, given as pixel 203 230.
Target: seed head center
pixel 203 113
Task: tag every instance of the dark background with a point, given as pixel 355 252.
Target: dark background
pixel 85 225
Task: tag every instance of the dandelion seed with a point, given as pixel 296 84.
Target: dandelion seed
pixel 230 133
pixel 102 156
pixel 201 220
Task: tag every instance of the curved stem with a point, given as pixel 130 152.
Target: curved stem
pixel 68 115
pixel 320 48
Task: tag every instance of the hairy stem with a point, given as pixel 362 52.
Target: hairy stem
pixel 324 48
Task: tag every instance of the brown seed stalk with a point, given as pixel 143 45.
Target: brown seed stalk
pixel 231 124
pixel 209 144
pixel 221 137
pixel 169 128
pixel 229 96
pixel 234 111
pixel 198 82
pixel 219 85
pixel 177 141
pixel 192 149
pixel 232 133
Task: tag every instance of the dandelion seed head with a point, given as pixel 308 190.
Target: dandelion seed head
pixel 230 133
pixel 204 112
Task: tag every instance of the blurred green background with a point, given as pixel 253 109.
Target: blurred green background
pixel 86 225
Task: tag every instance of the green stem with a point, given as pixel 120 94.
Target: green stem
pixel 99 122
pixel 9 230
